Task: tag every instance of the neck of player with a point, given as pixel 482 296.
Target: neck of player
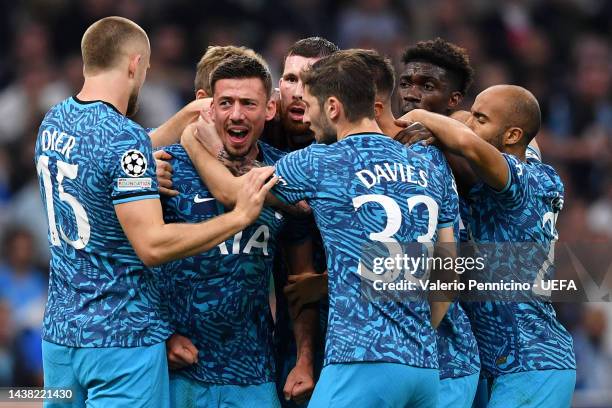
pixel 108 87
pixel 386 121
pixel 364 125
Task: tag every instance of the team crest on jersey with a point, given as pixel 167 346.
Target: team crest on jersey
pixel 134 163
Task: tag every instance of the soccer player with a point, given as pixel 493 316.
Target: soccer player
pixel 436 76
pixel 295 381
pixel 367 342
pixel 298 366
pixel 219 299
pixel 105 324
pixel 457 349
pixel 525 352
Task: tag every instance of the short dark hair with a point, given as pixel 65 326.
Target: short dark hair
pixel 239 67
pixel 447 55
pixel 311 47
pixel 345 76
pixel 525 113
pixel 214 55
pixel 382 70
pixel 103 42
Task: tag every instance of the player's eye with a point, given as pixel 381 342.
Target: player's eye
pixel 429 86
pixel 291 79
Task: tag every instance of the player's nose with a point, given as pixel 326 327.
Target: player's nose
pixel 411 96
pixel 299 91
pixel 237 113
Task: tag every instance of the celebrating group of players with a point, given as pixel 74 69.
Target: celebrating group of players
pixel 165 302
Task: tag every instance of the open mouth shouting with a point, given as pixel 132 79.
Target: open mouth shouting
pixel 296 112
pixel 238 135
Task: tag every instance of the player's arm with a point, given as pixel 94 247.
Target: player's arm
pixel 440 301
pixel 305 285
pixel 155 242
pixel 300 381
pixel 219 179
pixel 487 162
pixel 170 131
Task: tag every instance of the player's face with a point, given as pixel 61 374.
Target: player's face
pixel 291 104
pixel 240 109
pixel 424 86
pixel 488 119
pixel 324 131
pixel 139 78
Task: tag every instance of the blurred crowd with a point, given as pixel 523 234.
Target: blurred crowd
pixel 559 49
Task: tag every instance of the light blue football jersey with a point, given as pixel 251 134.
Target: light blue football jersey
pixel 90 158
pixel 518 336
pixel 457 348
pixel 220 298
pixel 363 189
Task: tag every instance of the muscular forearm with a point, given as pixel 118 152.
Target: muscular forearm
pixel 170 131
pixel 304 328
pixel 438 310
pixel 486 161
pixel 439 301
pixel 168 242
pixel 219 180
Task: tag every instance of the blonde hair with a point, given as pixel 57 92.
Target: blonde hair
pixel 104 42
pixel 216 54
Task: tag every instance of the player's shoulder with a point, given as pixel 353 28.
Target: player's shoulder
pixel 542 178
pixel 270 153
pixel 548 179
pixel 176 150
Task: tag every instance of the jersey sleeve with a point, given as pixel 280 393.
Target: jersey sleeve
pixel 129 162
pixel 513 194
pixel 449 211
pixel 298 176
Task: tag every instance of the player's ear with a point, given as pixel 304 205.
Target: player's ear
pixel 270 109
pixel 513 135
pixel 333 108
pixel 133 65
pixel 378 109
pixel 201 94
pixel 454 100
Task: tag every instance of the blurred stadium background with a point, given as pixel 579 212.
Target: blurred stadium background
pixel 559 49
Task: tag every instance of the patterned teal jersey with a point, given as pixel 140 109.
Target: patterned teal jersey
pixel 220 298
pixel 90 158
pixel 363 189
pixel 518 336
pixel 457 347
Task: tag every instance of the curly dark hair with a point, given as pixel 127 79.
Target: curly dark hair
pixel 447 55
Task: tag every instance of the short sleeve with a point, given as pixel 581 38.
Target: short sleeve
pixel 449 211
pixel 513 194
pixel 298 176
pixel 131 166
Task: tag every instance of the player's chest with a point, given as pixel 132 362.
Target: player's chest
pixel 197 204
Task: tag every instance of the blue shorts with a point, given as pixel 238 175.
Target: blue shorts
pixel 108 377
pixel 481 399
pixel 458 392
pixel 541 389
pixel 185 392
pixel 390 385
